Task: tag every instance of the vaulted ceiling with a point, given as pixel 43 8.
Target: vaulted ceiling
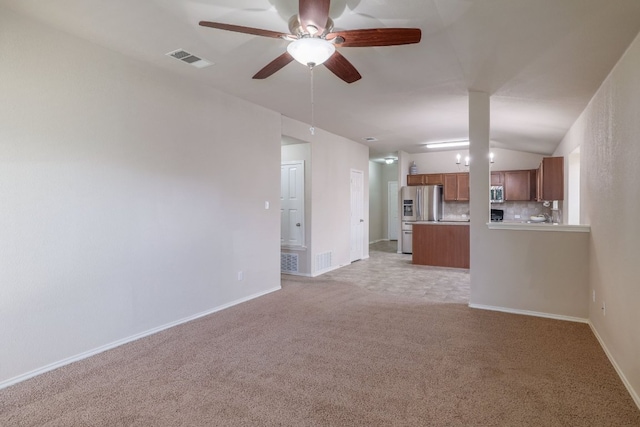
pixel 540 60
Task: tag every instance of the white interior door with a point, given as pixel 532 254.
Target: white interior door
pixel 292 203
pixel 393 221
pixel 357 215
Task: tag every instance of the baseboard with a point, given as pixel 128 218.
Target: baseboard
pixel 379 240
pixel 326 270
pixel 530 313
pixel 84 355
pixel 627 384
pixel 293 273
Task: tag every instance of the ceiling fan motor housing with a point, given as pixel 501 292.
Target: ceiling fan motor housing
pixel 296 28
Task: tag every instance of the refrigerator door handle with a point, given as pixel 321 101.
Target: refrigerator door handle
pixel 418 203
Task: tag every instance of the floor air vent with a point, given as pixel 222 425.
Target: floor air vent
pixel 323 261
pixel 189 58
pixel 289 263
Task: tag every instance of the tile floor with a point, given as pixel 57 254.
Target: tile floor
pixel 386 271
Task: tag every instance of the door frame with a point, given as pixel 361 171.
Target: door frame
pixel 356 219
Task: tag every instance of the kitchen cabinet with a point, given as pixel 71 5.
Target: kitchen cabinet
pixel 441 245
pixel 550 179
pixel 425 179
pixel 456 187
pixel 517 185
pixel 497 178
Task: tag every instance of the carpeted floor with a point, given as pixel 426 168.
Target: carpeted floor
pixel 328 352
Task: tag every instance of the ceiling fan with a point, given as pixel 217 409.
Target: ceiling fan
pixel 313 41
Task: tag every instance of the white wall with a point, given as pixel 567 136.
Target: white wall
pixel 332 158
pixel 129 199
pixel 607 133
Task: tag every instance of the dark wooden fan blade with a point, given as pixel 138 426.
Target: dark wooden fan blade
pixel 377 37
pixel 241 29
pixel 314 13
pixel 274 66
pixel 342 68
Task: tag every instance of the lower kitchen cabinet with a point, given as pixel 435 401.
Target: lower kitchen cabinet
pixel 441 245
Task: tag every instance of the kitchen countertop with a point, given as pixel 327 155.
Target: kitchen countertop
pixel 537 226
pixel 440 222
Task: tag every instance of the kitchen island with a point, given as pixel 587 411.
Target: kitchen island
pixel 441 243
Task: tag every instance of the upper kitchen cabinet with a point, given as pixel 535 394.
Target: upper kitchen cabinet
pixel 425 179
pixel 550 179
pixel 456 187
pixel 497 178
pixel 517 185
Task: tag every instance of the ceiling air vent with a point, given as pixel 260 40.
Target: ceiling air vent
pixel 370 139
pixel 189 58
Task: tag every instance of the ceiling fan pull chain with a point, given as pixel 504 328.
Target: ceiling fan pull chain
pixel 312 129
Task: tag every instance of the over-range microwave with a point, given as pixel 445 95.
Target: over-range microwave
pixel 497 194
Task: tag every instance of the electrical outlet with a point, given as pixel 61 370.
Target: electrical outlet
pixel 594 295
pixel 517 216
pixel 240 275
pixel 604 309
pixel 266 205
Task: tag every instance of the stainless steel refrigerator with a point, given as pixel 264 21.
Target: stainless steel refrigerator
pixel 419 203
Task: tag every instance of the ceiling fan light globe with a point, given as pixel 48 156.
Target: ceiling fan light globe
pixel 311 50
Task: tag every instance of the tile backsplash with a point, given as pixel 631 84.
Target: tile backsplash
pixel 523 209
pixel 458 210
pixel 452 211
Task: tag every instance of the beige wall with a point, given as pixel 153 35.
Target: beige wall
pixel 376 207
pixel 380 174
pixel 130 199
pixel 607 133
pixel 445 161
pixel 389 173
pixel 537 272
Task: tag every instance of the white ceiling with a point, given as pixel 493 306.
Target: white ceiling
pixel 541 60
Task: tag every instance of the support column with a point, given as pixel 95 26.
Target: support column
pixel 479 177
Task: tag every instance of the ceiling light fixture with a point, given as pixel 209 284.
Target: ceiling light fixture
pixel 311 51
pixel 389 160
pixel 447 144
pixel 466 160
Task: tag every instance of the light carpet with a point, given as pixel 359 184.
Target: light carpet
pixel 326 352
